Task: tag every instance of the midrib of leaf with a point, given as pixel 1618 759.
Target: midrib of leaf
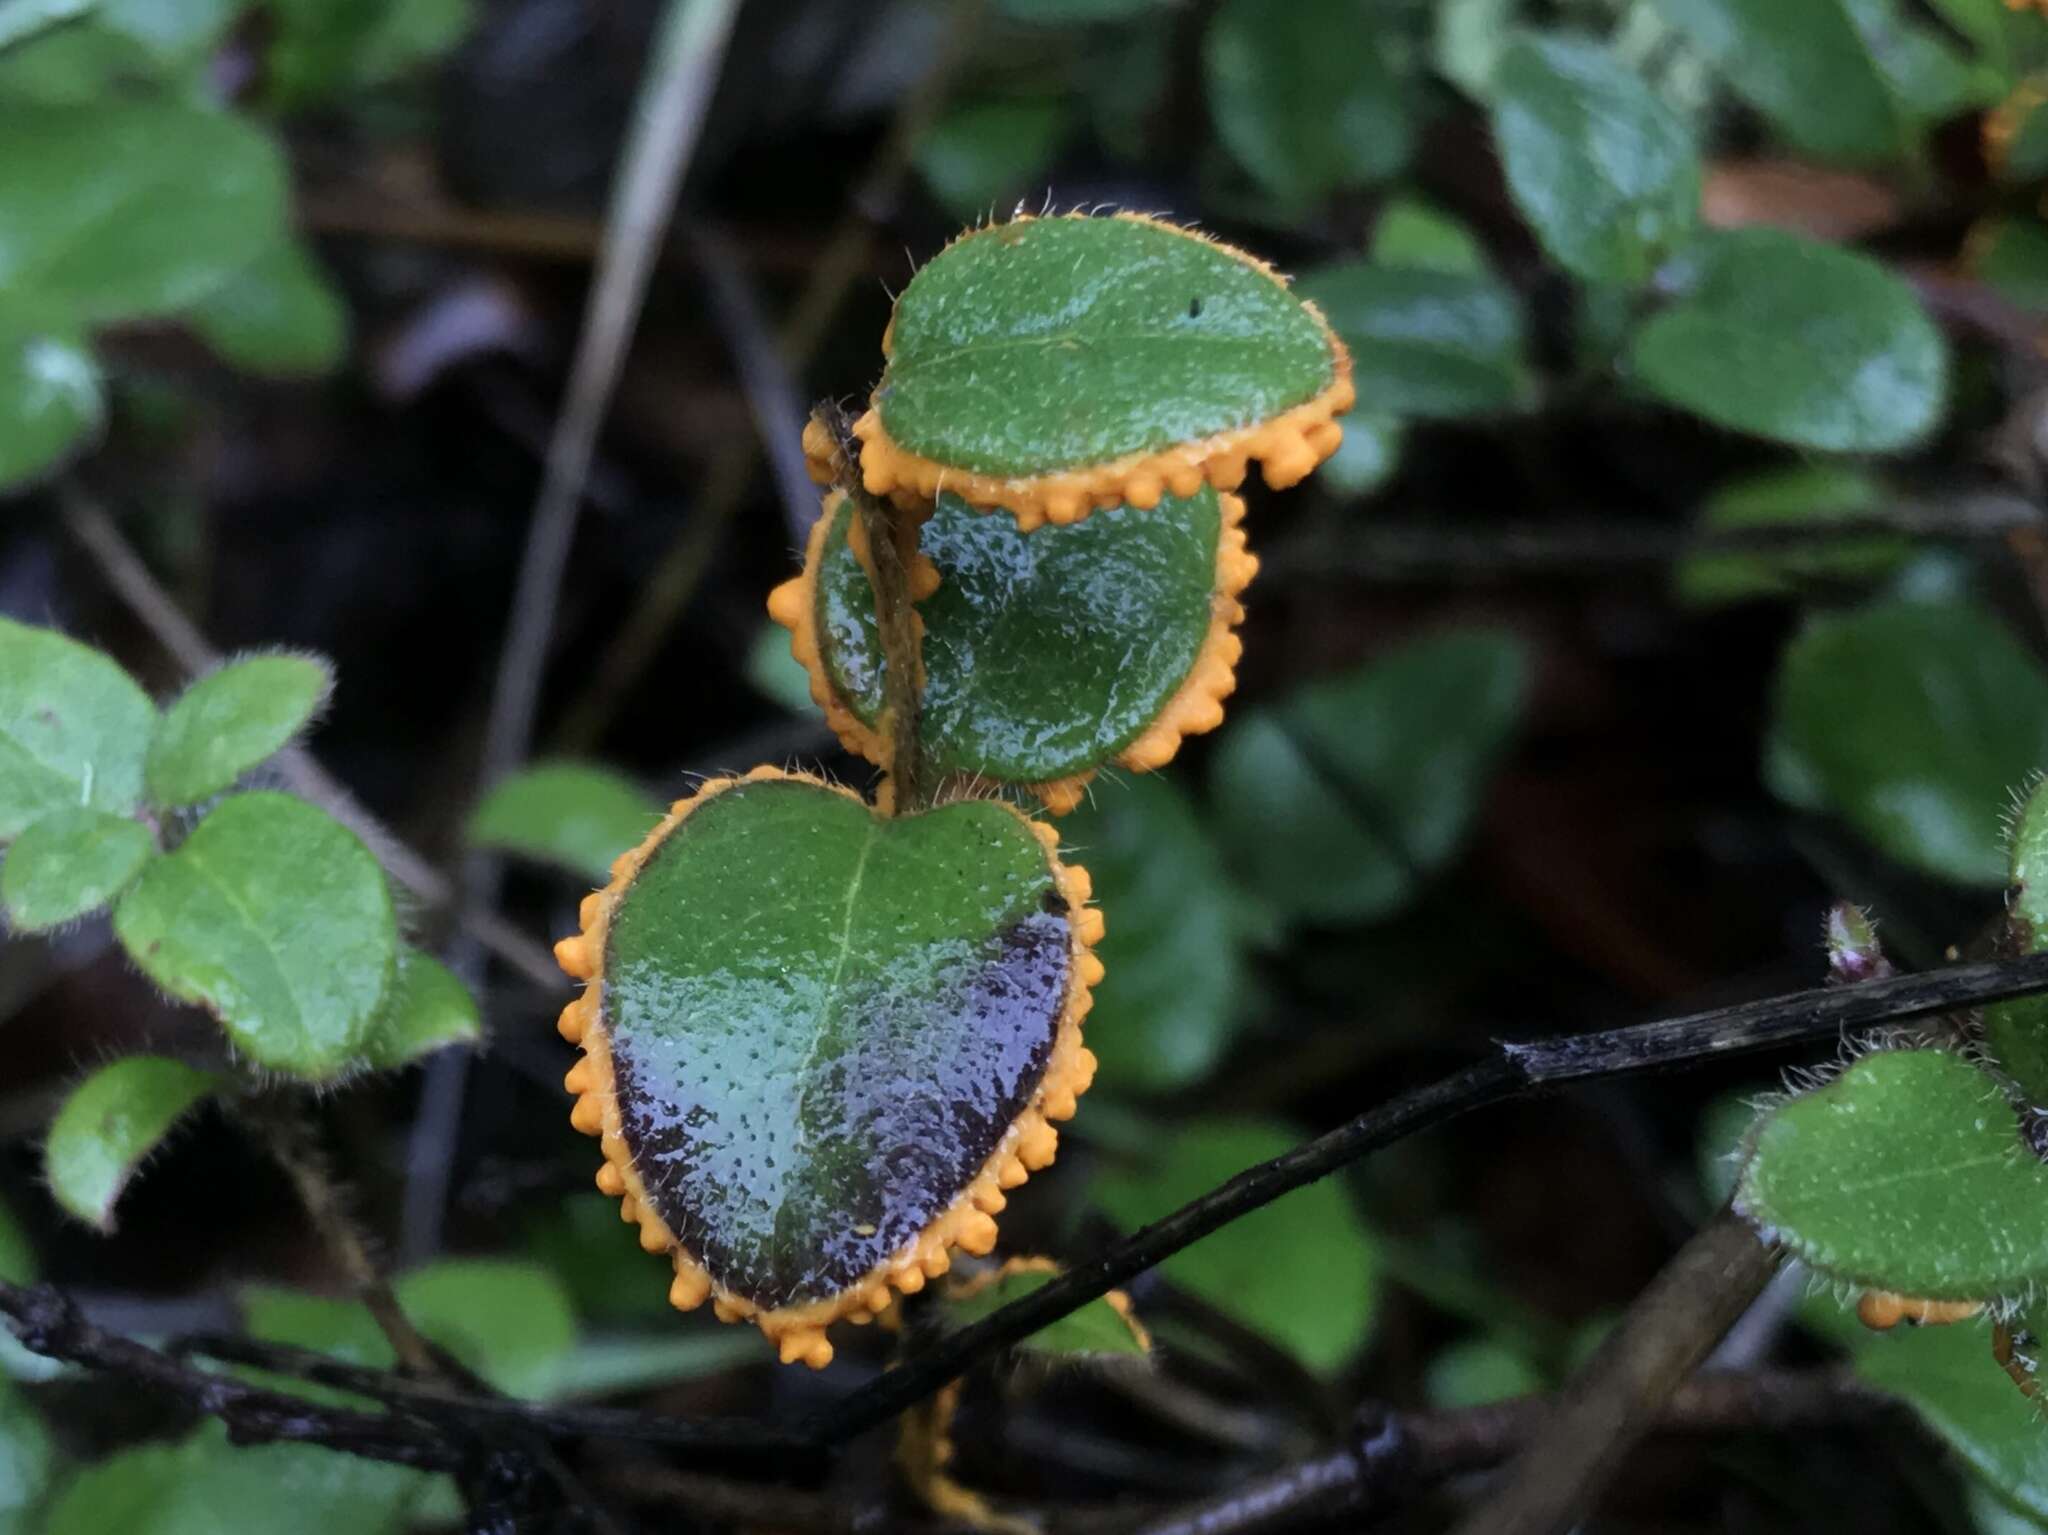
pixel 1938 1172
pixel 805 1073
pixel 1134 338
pixel 270 950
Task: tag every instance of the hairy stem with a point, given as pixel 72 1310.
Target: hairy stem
pixel 892 545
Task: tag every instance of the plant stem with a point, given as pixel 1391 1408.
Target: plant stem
pixel 1669 1329
pixel 281 1128
pixel 892 545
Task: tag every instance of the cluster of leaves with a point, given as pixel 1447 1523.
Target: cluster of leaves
pixel 254 904
pixel 188 216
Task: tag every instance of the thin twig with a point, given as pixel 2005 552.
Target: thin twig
pixel 832 274
pixel 283 1131
pixel 1669 1329
pixel 145 597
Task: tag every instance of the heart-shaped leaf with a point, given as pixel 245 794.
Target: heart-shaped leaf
pixel 69 863
pixel 822 1040
pixel 1914 722
pixel 1051 365
pixel 1046 656
pixel 276 918
pixel 73 728
pixel 112 1121
pixel 229 721
pixel 1906 1173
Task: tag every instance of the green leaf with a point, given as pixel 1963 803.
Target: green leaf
pixel 1337 802
pixel 1782 337
pixel 1605 173
pixel 1173 955
pixel 1056 343
pixel 576 1237
pixel 1807 495
pixel 276 918
pixel 1947 1376
pixel 85 63
pixel 1096 1331
pixel 1302 1270
pixel 1930 79
pixel 428 1010
pixel 73 728
pixel 320 50
pixel 1045 654
pixel 982 154
pixel 1469 39
pixel 510 1322
pixel 1906 1173
pixel 229 721
pixel 132 208
pixel 170 29
pixel 2011 255
pixel 804 1111
pixel 26 1454
pixel 575 814
pixel 1424 342
pixel 278 315
pixel 50 403
pixel 17 1256
pixel 1302 96
pixel 1475 1371
pixel 2016 1032
pixel 1803 66
pixel 1410 232
pixel 1913 722
pixel 205 1485
pixel 69 863
pixel 776 674
pixel 24 18
pixel 110 1124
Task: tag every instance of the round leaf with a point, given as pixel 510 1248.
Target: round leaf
pixel 1913 722
pixel 1335 803
pixel 1411 233
pixel 69 863
pixel 429 1009
pixel 1424 342
pixel 73 728
pixel 1302 95
pixel 1301 1270
pixel 1804 66
pixel 50 402
pixel 1906 1173
pixel 822 1023
pixel 1786 338
pixel 1045 654
pixel 1604 171
pixel 1174 955
pixel 277 919
pixel 1055 343
pixel 229 721
pixel 575 814
pixel 110 1123
pixel 128 207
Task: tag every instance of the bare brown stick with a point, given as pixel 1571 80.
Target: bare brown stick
pixel 152 606
pixel 1669 1329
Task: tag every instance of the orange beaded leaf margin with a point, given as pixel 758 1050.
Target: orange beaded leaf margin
pixel 1287 446
pixel 967 1223
pixel 1195 707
